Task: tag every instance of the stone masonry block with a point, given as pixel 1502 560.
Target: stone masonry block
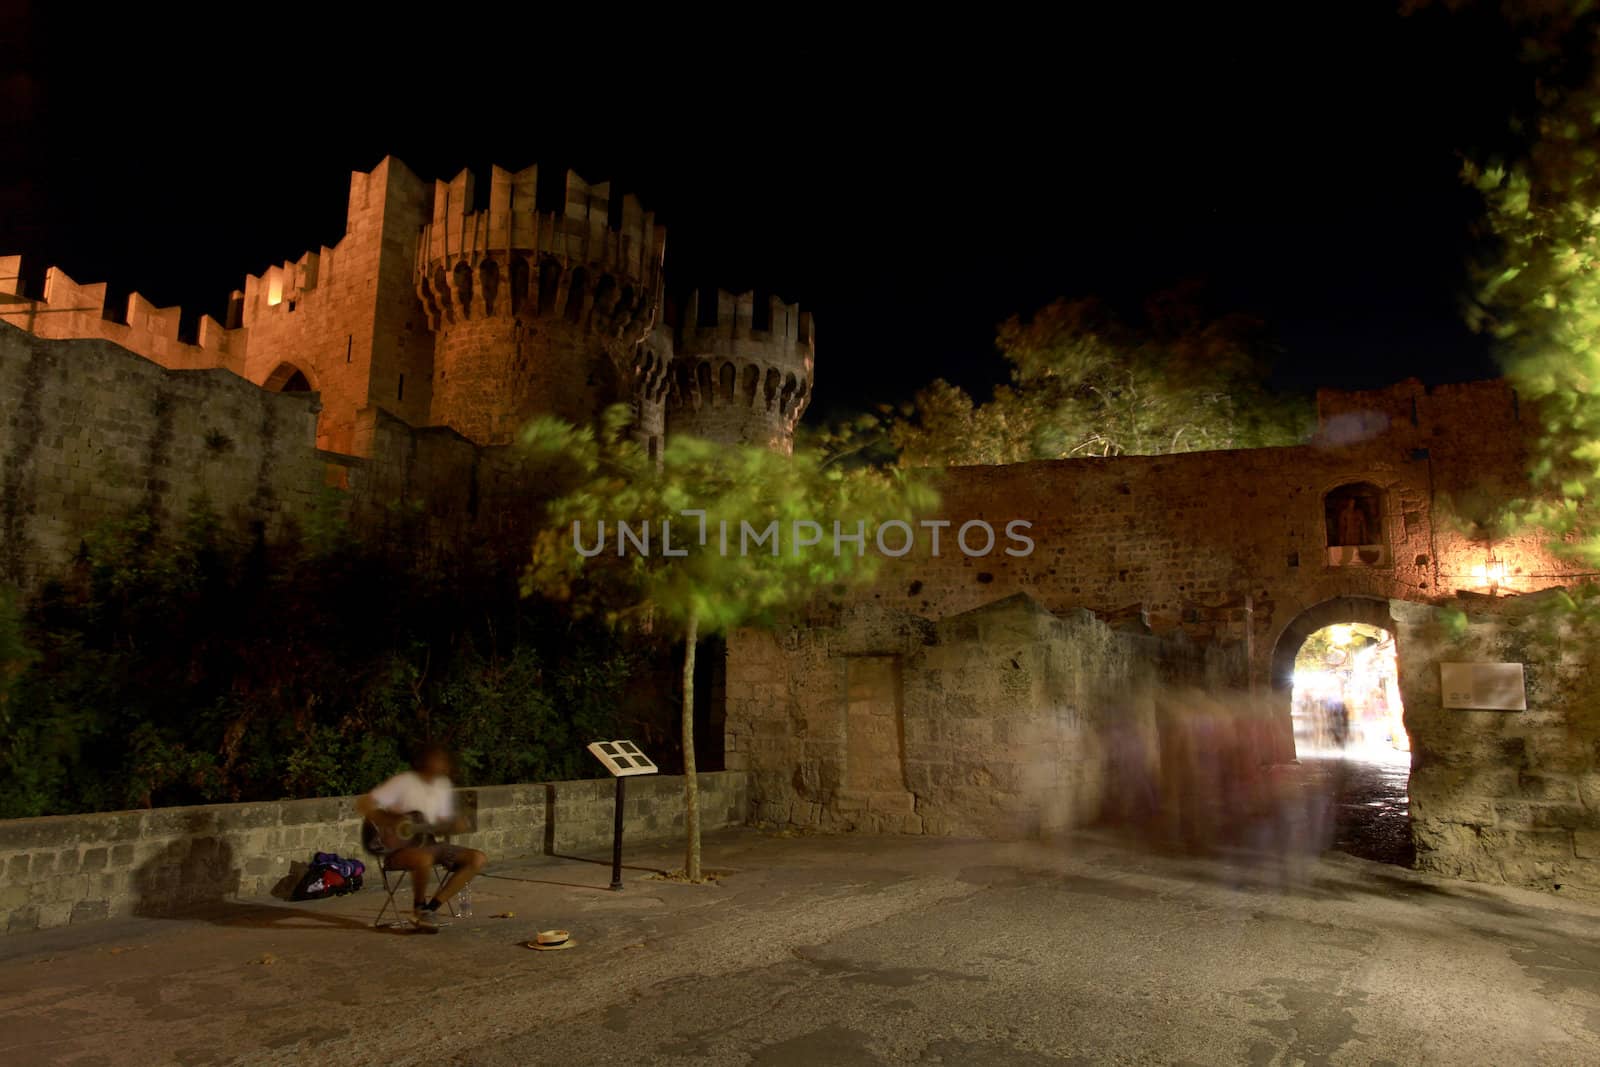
pixel 22 919
pixel 88 910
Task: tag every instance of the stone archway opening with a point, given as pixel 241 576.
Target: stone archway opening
pixel 1335 672
pixel 1345 699
pixel 287 378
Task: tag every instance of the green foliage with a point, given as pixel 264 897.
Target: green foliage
pixel 1085 382
pixel 1321 650
pixel 608 479
pixel 1538 291
pixel 1452 622
pixel 710 579
pixel 189 668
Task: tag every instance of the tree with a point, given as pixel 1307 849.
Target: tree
pixel 711 537
pixel 1086 383
pixel 1538 279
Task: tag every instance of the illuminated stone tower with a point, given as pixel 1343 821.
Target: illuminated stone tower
pixel 534 312
pixel 440 307
pixel 741 372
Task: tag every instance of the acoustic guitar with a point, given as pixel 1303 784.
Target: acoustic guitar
pixel 383 832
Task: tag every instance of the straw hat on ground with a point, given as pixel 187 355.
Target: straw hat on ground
pixel 552 940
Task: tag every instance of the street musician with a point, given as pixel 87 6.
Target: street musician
pixel 405 813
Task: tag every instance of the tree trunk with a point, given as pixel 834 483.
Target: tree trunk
pixel 691 786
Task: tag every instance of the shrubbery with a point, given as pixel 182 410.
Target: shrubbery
pixel 185 667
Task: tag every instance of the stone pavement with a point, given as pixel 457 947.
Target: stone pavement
pixel 845 950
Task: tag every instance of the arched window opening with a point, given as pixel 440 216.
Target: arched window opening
pixel 288 378
pixel 489 278
pixel 463 287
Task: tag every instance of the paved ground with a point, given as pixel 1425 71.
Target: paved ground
pixel 1373 821
pixel 846 950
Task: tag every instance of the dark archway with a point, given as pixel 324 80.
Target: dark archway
pixel 1365 786
pixel 288 378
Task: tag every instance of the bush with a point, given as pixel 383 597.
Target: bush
pixel 195 669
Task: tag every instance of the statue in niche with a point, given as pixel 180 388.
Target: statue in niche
pixel 1353 524
pixel 1354 516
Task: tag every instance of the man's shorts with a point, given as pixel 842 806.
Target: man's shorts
pixel 444 855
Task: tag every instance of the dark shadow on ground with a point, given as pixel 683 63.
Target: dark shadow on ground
pixel 197 877
pixel 607 863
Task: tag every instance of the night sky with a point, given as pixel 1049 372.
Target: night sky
pixel 912 183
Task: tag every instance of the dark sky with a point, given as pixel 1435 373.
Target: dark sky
pixel 913 183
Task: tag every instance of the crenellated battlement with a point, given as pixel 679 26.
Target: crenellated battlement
pixel 282 287
pixel 723 323
pixel 513 259
pixel 441 306
pixel 70 309
pixel 742 369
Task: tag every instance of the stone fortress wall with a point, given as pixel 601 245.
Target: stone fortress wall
pixel 442 307
pixel 903 709
pixel 91 434
pixel 1231 546
pixel 1005 723
pixel 393 367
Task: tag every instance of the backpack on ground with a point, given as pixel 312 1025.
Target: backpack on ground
pixel 330 875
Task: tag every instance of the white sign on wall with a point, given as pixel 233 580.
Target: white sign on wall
pixel 1485 686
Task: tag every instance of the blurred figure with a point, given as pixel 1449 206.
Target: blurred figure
pixel 407 811
pixel 1338 723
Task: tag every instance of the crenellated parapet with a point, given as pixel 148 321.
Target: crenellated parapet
pixel 575 264
pixel 442 306
pixel 533 311
pixel 742 369
pixel 69 309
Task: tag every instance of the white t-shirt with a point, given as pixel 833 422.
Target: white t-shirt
pixel 407 792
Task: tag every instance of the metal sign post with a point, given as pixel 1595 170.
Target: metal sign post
pixel 624 760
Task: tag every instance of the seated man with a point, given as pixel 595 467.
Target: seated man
pixel 423 794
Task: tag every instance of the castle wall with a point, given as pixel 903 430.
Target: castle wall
pixel 71 310
pixel 1504 796
pixel 1230 547
pixel 985 723
pixel 1227 554
pixel 1006 721
pixel 346 317
pixel 90 433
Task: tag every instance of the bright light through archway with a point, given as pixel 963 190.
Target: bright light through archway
pixel 1347 695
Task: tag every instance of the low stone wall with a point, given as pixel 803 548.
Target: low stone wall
pixel 1504 796
pixel 71 868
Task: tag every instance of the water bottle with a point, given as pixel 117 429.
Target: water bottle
pixel 464 902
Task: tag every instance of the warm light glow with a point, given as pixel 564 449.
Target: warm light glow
pixel 1346 682
pixel 274 290
pixel 1494 573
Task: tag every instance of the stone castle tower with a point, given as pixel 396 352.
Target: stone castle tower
pixel 446 308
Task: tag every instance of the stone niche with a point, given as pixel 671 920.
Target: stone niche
pixel 994 722
pixel 1504 796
